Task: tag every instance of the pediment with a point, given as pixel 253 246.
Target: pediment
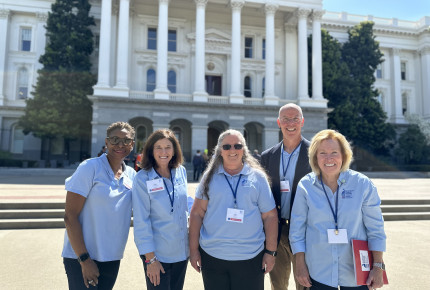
pixel 212 34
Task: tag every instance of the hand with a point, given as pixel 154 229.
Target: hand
pixel 196 260
pixel 302 272
pixel 268 263
pixel 90 273
pixel 153 272
pixel 375 279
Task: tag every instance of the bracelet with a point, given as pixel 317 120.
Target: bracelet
pixel 149 262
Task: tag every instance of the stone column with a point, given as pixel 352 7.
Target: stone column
pixel 105 44
pixel 396 91
pixel 317 80
pixel 425 77
pixel 270 137
pixel 4 26
pixel 269 97
pixel 199 138
pixel 161 91
pixel 236 96
pixel 302 70
pixel 200 94
pixel 122 50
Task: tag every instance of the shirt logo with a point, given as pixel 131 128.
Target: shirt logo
pixel 246 182
pixel 347 194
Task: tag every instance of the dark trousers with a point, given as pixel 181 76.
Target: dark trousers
pixel 196 172
pixel 108 274
pixel 173 279
pixel 232 275
pixel 319 286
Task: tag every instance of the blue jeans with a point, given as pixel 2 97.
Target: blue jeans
pixel 108 274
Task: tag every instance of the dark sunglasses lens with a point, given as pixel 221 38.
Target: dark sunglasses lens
pixel 238 146
pixel 226 147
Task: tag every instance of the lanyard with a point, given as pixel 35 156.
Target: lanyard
pixel 289 159
pixel 231 187
pixel 171 197
pixel 331 207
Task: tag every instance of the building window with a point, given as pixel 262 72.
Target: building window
pixel 380 99
pixel 403 70
pixel 17 140
pixel 25 44
pixel 96 41
pixel 247 87
pixel 264 87
pixel 152 38
pixel 22 83
pixel 171 46
pixel 404 104
pixel 248 47
pixel 379 71
pixel 264 49
pixel 171 81
pixel 150 80
pixel 178 134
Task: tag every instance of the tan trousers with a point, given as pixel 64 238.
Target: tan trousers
pixel 280 274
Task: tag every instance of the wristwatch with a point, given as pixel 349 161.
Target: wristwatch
pixel 379 265
pixel 83 257
pixel 271 253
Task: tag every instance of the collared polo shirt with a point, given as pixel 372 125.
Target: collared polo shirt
pixel 106 215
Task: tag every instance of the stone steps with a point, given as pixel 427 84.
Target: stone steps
pixel 43 215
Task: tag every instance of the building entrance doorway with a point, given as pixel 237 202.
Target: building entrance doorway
pixel 213 85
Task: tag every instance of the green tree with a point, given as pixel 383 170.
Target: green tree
pixel 348 78
pixel 412 147
pixel 60 107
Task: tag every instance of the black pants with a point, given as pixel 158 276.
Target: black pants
pixel 196 172
pixel 319 286
pixel 232 275
pixel 173 279
pixel 108 274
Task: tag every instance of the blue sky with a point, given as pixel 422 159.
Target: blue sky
pixel 402 9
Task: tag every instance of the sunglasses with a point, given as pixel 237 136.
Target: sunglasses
pixel 228 146
pixel 116 140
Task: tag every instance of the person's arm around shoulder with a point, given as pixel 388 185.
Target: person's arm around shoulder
pixel 197 214
pixel 74 205
pixel 270 223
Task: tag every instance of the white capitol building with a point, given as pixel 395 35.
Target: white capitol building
pixel 202 66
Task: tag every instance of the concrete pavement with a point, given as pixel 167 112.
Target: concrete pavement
pixel 30 259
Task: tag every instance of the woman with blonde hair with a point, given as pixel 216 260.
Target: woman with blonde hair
pixel 333 206
pixel 233 222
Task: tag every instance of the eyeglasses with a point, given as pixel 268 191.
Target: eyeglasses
pixel 228 146
pixel 292 120
pixel 116 140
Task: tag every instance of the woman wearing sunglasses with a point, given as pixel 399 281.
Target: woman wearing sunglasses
pixel 98 213
pixel 233 222
pixel 160 212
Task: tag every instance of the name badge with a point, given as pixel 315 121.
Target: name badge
pixel 340 238
pixel 155 185
pixel 127 182
pixel 235 215
pixel 285 186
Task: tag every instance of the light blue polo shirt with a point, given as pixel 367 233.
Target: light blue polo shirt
pixel 290 169
pixel 106 215
pixel 359 213
pixel 229 240
pixel 156 228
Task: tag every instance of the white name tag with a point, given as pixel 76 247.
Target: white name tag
pixel 235 215
pixel 285 186
pixel 340 238
pixel 155 185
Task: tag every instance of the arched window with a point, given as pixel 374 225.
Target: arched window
pixel 150 80
pixel 178 134
pixel 247 91
pixel 17 145
pixel 171 78
pixel 141 136
pixel 22 78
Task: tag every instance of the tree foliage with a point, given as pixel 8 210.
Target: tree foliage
pixel 412 147
pixel 348 78
pixel 60 107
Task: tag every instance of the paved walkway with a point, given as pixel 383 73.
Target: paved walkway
pixel 30 259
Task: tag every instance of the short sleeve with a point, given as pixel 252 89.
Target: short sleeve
pixel 81 181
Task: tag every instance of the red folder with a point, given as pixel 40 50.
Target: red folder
pixel 363 261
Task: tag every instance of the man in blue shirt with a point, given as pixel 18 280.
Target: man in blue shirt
pixel 286 163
